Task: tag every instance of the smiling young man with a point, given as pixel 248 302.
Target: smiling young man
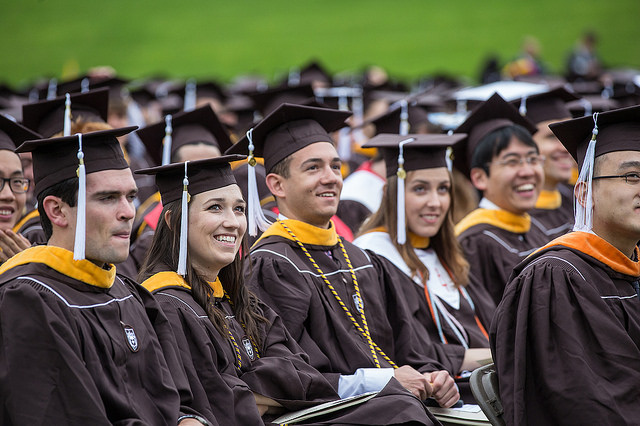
pixel 503 163
pixel 566 337
pixel 553 212
pixel 337 301
pixel 81 345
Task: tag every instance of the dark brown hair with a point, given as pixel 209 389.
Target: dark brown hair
pixel 444 242
pixel 164 253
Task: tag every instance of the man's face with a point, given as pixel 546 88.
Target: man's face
pixel 616 204
pixel 110 212
pixel 558 163
pixel 11 204
pixel 515 178
pixel 312 191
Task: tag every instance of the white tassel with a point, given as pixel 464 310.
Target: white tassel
pixel 184 225
pixel 344 144
pixel 344 136
pixel 81 214
pixel 404 118
pixel 255 217
pixel 402 175
pixel 167 141
pixel 448 158
pixel 66 131
pixel 584 214
pixel 523 106
pixel 84 85
pixel 52 89
pixel 358 119
pixel 190 95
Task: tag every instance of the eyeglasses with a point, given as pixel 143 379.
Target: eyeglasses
pixel 17 185
pixel 513 162
pixel 630 178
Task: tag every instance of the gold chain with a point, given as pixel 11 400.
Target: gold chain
pixel 233 340
pixel 375 349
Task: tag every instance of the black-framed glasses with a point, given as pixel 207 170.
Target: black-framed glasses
pixel 18 185
pixel 630 178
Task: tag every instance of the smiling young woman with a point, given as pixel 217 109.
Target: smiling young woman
pixel 414 230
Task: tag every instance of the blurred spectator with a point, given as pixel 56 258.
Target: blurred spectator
pixel 584 63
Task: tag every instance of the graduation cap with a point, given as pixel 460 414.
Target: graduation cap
pixel 58 159
pixel 48 117
pixel 269 100
pixel 178 181
pixel 589 137
pixel 13 134
pixel 314 72
pixel 201 125
pixel 289 129
pixel 403 119
pixel 88 82
pixel 190 91
pixel 405 153
pixel 546 106
pixel 491 115
pixel 285 131
pixel 589 104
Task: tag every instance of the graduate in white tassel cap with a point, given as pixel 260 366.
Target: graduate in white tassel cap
pixel 566 336
pixel 413 228
pixel 103 338
pixel 339 302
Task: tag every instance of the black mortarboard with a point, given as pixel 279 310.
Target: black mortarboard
pixel 618 130
pixel 289 129
pixel 589 104
pixel 179 180
pixel 198 126
pixel 204 89
pixel 389 122
pixel 493 114
pixel 269 100
pixel 47 117
pixel 411 152
pixel 13 134
pixel 313 72
pixel 203 175
pixel 89 83
pixel 422 152
pixel 546 106
pixel 55 159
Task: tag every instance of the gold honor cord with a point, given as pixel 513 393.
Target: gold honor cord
pixel 233 340
pixel 372 345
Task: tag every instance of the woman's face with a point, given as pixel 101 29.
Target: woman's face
pixel 427 200
pixel 217 223
pixel 11 204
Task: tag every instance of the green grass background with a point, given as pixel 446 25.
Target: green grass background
pixel 197 38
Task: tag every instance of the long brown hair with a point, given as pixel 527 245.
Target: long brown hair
pixel 163 254
pixel 444 242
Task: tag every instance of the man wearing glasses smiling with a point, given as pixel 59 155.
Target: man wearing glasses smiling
pixel 504 163
pixel 13 187
pixel 566 336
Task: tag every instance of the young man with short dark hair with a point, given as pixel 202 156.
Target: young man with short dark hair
pixel 80 344
pixel 504 163
pixel 338 301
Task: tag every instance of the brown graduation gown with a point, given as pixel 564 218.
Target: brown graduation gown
pixel 493 251
pixel 566 337
pixel 31 228
pixel 554 220
pixel 79 354
pixel 287 281
pixel 280 370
